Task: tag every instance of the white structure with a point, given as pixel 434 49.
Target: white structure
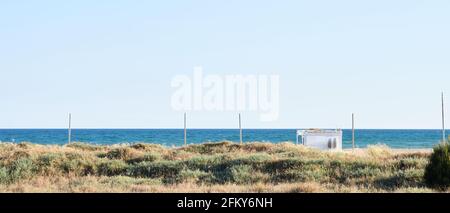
pixel 320 139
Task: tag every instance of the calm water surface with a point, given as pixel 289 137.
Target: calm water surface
pixel 174 137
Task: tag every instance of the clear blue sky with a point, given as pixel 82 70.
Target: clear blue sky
pixel 110 63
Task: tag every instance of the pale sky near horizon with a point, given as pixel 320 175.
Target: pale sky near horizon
pixel 111 63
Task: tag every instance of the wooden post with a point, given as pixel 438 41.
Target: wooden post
pixel 443 118
pixel 240 129
pixel 185 135
pixel 70 128
pixel 353 130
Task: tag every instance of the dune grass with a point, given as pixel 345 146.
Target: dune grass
pixel 210 167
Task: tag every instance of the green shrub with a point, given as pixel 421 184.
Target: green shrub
pixel 123 153
pixel 290 163
pixel 411 163
pixel 149 157
pixel 78 166
pixel 253 159
pixel 400 179
pixel 241 174
pixel 207 163
pixel 342 172
pixel 410 178
pixel 112 168
pixel 244 174
pixel 4 175
pixel 437 172
pixel 49 159
pixel 119 153
pixel 160 169
pixel 21 169
pixel 48 163
pixel 187 175
pixel 295 175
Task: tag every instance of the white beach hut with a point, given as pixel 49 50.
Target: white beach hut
pixel 320 139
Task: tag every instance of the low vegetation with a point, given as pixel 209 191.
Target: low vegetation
pixel 437 172
pixel 210 167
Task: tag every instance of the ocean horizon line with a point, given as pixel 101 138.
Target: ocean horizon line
pixel 251 128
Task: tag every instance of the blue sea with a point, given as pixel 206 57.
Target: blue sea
pixel 174 137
